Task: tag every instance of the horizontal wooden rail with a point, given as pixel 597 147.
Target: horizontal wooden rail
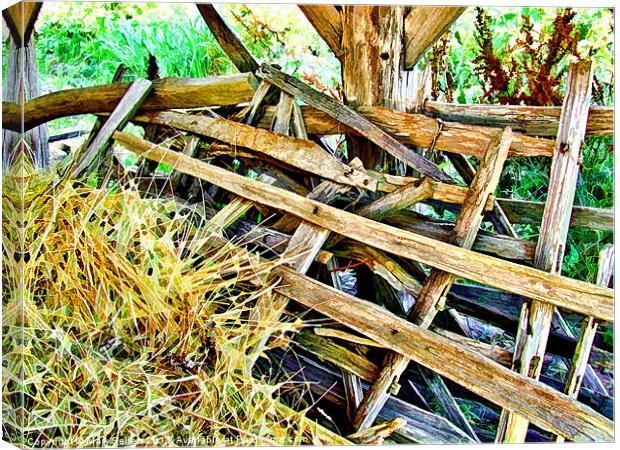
pixel 167 93
pixel 578 296
pixel 421 130
pixel 531 120
pixel 542 405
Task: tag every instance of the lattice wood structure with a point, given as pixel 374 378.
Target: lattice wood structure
pixel 406 344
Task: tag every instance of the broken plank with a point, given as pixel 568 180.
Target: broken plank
pixel 125 109
pixel 299 153
pixel 167 93
pixel 351 118
pixel 532 120
pixel 228 40
pixel 578 296
pixel 542 405
pixel 535 322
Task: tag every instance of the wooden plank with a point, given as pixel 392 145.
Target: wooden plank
pixel 535 322
pixel 327 22
pixel 125 109
pixel 532 120
pixel 574 295
pixel 542 405
pixel 423 26
pixel 282 119
pixel 352 119
pixel 433 293
pixel 486 242
pixel 527 212
pixel 300 153
pixel 168 93
pixel 228 40
pixel 20 19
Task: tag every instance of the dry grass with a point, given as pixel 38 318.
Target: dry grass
pixel 128 327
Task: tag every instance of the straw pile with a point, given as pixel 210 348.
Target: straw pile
pixel 129 324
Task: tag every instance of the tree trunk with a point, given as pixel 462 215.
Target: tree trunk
pixel 22 84
pixel 371 65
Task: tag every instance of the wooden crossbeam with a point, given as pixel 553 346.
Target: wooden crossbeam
pixel 574 295
pixel 433 293
pixel 228 40
pixel 168 93
pixel 423 26
pixel 531 120
pixel 327 22
pixel 535 322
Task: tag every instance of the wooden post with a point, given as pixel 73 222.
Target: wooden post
pixel 536 317
pixel 22 84
pixel 372 60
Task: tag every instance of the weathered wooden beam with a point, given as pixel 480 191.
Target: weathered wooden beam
pixel 532 120
pixel 528 212
pixel 432 296
pixel 126 108
pixel 327 22
pixel 423 26
pixel 420 130
pixel 167 93
pixel 486 242
pixel 20 19
pixel 574 295
pixel 535 322
pixel 228 40
pixel 352 119
pixel 303 154
pixel 542 405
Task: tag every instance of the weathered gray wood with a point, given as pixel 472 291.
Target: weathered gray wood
pixel 531 120
pixel 535 323
pixel 433 293
pixel 527 212
pixel 422 426
pixel 423 26
pixel 228 40
pixel 283 117
pixel 126 108
pixel 327 22
pixel 352 119
pixel 168 93
pixel 542 405
pixel 440 391
pixel 574 295
pixel 303 154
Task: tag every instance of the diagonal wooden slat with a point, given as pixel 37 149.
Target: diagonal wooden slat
pixel 327 22
pixel 20 19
